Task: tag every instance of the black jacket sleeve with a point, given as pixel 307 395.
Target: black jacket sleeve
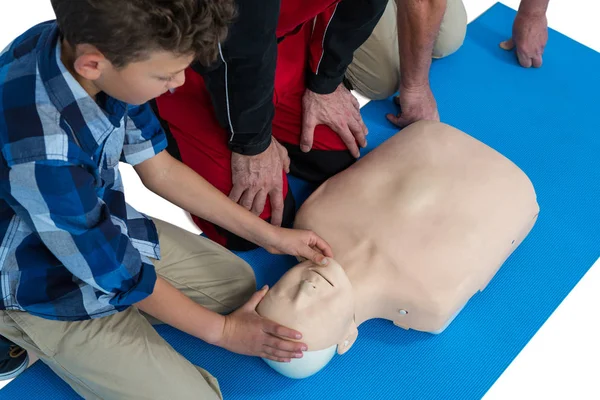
pixel 350 26
pixel 241 82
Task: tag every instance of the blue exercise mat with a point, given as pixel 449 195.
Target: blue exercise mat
pixel 545 120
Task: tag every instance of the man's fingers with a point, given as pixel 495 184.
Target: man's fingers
pixel 276 197
pixel 283 156
pixel 355 103
pixel 537 61
pixel 285 159
pixel 359 120
pixel 259 202
pixel 236 192
pixel 247 198
pixel 362 125
pixel 524 59
pixel 286 163
pixel 358 133
pixel 507 44
pixel 349 140
pixel 308 132
pixel 397 120
pixel 281 331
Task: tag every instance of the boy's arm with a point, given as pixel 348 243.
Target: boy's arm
pixel 243 331
pixel 177 183
pixel 172 180
pixel 60 204
pixel 182 186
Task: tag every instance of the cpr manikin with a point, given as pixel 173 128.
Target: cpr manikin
pixel 417 227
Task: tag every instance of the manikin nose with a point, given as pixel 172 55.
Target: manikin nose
pixel 306 284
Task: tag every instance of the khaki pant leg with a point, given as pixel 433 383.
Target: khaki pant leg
pixel 118 357
pixel 452 30
pixel 203 270
pixel 375 69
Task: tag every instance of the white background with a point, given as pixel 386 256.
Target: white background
pixel 562 361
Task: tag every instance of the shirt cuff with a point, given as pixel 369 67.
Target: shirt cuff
pixel 251 149
pixel 138 292
pixel 322 84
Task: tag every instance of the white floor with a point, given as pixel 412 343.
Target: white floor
pixel 562 361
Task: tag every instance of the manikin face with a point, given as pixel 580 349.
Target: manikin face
pixel 318 302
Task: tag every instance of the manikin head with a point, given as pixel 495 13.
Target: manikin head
pixel 317 301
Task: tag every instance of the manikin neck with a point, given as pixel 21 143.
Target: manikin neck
pixel 369 277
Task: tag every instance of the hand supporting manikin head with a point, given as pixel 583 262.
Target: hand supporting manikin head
pixel 417 227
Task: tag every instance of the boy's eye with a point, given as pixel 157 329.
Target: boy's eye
pixel 166 79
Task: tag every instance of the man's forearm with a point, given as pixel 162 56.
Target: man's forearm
pixel 534 7
pixel 182 186
pixel 418 27
pixel 172 307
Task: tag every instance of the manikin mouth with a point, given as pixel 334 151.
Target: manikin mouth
pixel 322 276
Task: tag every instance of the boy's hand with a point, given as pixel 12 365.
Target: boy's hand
pixel 246 332
pixel 300 243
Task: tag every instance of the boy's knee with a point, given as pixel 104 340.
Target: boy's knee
pixel 452 31
pixel 245 284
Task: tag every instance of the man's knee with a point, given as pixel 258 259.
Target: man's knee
pixel 375 70
pixel 384 85
pixel 452 30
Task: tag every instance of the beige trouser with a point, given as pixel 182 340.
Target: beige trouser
pixel 121 356
pixel 375 69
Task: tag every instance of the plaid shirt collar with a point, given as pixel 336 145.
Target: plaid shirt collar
pixel 71 99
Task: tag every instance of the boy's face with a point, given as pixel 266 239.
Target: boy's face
pixel 141 81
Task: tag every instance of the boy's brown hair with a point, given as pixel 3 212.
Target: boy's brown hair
pixel 126 31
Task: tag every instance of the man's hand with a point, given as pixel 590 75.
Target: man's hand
pixel 246 332
pixel 415 105
pixel 298 243
pixel 255 177
pixel 340 111
pixel 529 35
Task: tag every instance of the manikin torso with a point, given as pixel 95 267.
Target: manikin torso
pixel 417 227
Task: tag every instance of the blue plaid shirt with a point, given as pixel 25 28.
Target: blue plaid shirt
pixel 71 248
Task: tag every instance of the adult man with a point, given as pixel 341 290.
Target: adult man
pixel 284 73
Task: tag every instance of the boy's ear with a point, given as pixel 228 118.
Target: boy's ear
pixel 89 62
pixel 349 340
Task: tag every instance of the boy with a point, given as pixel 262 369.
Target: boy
pixel 82 273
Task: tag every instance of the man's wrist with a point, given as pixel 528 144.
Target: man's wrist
pixel 415 86
pixel 533 8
